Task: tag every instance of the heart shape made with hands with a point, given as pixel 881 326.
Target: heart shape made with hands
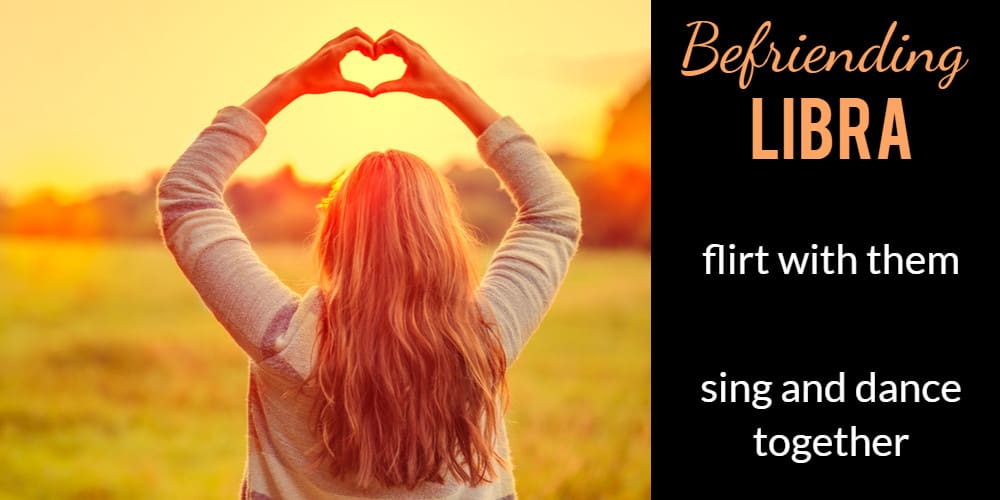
pixel 357 67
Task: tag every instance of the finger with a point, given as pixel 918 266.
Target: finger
pixel 359 44
pixel 355 31
pixel 392 44
pixel 386 34
pixel 350 86
pixel 390 86
pixel 409 41
pixel 379 50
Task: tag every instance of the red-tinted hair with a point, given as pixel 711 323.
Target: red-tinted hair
pixel 410 376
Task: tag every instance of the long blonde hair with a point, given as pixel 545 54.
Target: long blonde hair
pixel 410 375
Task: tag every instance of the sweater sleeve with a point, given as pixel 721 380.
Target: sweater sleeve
pixel 246 297
pixel 530 263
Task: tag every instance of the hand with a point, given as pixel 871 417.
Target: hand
pixel 321 73
pixel 424 77
pixel 317 75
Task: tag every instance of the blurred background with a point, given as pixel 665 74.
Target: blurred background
pixel 119 382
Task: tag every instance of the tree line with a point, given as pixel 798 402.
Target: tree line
pixel 614 190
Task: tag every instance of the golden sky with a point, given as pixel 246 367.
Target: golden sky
pixel 102 92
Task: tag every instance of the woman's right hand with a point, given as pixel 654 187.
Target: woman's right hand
pixel 317 75
pixel 321 72
pixel 424 77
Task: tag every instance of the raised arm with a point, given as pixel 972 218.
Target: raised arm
pixel 531 262
pixel 200 231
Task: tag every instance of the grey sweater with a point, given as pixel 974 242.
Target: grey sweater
pixel 276 326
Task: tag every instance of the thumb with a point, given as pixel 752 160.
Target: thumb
pixel 349 86
pixel 390 86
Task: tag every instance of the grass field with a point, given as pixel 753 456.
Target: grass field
pixel 118 383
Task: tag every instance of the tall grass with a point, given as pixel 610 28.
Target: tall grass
pixel 118 383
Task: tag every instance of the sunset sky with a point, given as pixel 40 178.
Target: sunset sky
pixel 103 92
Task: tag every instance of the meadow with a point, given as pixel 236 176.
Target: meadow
pixel 118 383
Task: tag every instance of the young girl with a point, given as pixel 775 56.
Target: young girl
pixel 387 378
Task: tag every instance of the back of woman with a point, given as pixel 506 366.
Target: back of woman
pixel 387 379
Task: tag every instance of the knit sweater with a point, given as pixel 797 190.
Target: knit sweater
pixel 276 327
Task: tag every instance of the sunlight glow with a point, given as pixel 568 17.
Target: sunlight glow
pixel 119 88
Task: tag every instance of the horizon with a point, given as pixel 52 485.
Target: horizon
pixel 152 175
pixel 112 92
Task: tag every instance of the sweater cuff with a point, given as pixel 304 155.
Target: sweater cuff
pixel 244 121
pixel 496 136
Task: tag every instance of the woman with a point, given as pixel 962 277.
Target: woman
pixel 387 378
